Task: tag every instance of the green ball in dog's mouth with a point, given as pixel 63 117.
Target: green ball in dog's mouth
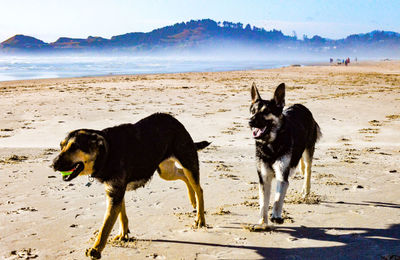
pixel 66 173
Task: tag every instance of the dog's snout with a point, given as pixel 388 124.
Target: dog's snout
pixel 56 162
pixel 251 123
pixel 255 120
pixel 53 165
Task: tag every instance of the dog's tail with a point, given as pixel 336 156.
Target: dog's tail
pixel 201 145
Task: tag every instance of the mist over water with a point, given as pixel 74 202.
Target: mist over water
pixel 19 67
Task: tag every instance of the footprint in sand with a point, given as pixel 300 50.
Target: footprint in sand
pixel 221 211
pixel 371 132
pixel 26 253
pixel 7 132
pixel 233 129
pixel 348 155
pixel 14 159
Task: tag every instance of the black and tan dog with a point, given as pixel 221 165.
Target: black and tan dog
pixel 283 138
pixel 125 157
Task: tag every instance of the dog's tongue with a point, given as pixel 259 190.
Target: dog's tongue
pixel 257 132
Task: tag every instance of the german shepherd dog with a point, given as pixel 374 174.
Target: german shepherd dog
pixel 125 157
pixel 283 138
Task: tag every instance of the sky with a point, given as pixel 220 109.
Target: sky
pixel 50 19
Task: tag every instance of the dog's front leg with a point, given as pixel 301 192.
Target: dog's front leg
pixel 265 174
pixel 281 188
pixel 112 212
pixel 123 221
pixel 283 171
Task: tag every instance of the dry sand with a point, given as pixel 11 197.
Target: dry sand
pixel 354 212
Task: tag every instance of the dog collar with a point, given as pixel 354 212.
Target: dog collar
pixel 90 180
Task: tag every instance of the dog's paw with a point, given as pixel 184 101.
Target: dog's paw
pixel 277 220
pixel 121 237
pixel 263 221
pixel 304 194
pixel 93 253
pixel 199 223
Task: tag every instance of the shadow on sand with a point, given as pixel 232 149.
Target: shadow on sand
pixel 367 203
pixel 358 243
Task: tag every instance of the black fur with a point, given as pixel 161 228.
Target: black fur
pixel 132 152
pixel 298 131
pixel 126 156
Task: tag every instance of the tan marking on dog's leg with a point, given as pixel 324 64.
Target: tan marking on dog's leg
pixel 191 193
pixel 123 224
pixel 307 174
pixel 110 217
pixel 169 172
pixel 200 219
pixel 302 166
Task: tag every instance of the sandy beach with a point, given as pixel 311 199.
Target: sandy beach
pixel 354 212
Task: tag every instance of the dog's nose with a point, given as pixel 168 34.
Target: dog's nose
pixel 55 162
pixel 251 121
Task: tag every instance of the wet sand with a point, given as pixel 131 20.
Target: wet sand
pixel 354 211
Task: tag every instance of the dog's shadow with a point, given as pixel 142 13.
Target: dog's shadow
pixel 353 243
pixel 357 243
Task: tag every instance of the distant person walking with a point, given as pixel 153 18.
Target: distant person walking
pixel 347 61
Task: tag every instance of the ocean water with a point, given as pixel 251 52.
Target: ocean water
pixel 38 67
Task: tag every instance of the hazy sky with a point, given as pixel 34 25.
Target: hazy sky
pixel 50 19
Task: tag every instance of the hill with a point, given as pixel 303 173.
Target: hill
pixel 208 33
pixel 20 41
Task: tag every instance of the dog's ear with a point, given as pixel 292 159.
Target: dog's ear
pixel 254 93
pixel 279 95
pixel 98 140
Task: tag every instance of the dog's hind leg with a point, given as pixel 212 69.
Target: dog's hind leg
pixel 195 183
pixel 186 154
pixel 307 158
pixel 169 171
pixel 123 224
pixel 302 166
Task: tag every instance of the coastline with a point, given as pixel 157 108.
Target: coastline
pixel 355 172
pixel 32 67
